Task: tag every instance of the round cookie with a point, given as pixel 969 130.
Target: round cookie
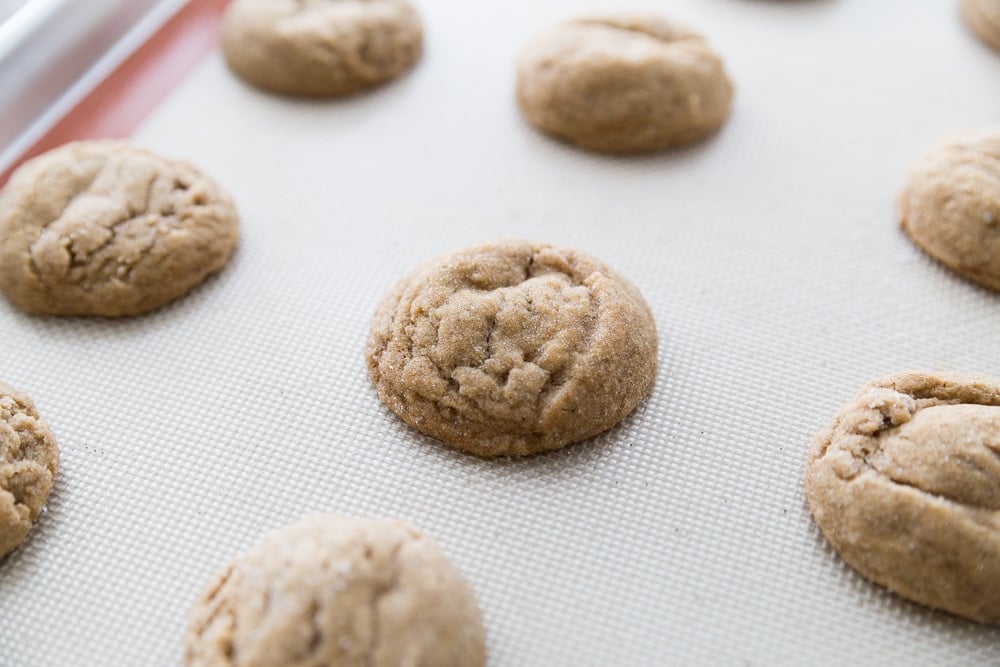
pixel 625 83
pixel 983 16
pixel 104 228
pixel 29 458
pixel 320 48
pixel 950 206
pixel 906 486
pixel 513 348
pixel 332 591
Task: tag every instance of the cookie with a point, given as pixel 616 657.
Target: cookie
pixel 906 486
pixel 950 206
pixel 104 228
pixel 330 590
pixel 983 16
pixel 29 458
pixel 623 83
pixel 513 348
pixel 320 48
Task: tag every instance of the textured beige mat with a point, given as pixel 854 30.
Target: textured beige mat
pixel 771 259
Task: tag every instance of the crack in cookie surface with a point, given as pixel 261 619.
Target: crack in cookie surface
pixel 653 27
pixel 940 446
pixel 500 350
pixel 99 228
pixel 948 451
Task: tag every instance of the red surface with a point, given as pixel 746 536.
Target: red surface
pixel 116 107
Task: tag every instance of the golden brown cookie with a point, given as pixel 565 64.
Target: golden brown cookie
pixel 320 47
pixel 331 591
pixel 513 348
pixel 950 206
pixel 29 458
pixel 105 228
pixel 906 486
pixel 983 16
pixel 623 83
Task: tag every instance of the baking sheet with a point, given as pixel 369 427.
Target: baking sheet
pixel 54 52
pixel 770 257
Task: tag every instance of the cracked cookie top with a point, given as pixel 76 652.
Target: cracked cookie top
pixel 29 458
pixel 906 486
pixel 950 205
pixel 104 228
pixel 330 590
pixel 320 47
pixel 623 83
pixel 513 348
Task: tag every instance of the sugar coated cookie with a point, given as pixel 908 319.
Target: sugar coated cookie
pixel 332 591
pixel 513 348
pixel 623 83
pixel 29 458
pixel 320 47
pixel 104 228
pixel 906 486
pixel 950 206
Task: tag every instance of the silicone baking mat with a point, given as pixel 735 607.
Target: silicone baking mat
pixel 770 256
